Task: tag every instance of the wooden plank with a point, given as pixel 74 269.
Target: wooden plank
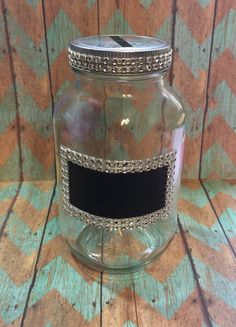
pixel 155 294
pixel 9 141
pixel 19 247
pixel 145 17
pixel 8 193
pixel 219 152
pixel 192 45
pixel 222 194
pixel 62 284
pixel 110 17
pixel 212 258
pixel 65 21
pixel 26 37
pixel 65 292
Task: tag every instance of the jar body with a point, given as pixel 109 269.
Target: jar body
pixel 119 119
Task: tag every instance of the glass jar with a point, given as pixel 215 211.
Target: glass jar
pixel 119 133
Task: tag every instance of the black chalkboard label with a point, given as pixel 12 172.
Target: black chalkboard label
pixel 119 193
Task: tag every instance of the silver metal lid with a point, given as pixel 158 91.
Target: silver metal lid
pixel 120 54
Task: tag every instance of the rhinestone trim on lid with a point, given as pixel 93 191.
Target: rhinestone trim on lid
pixel 120 65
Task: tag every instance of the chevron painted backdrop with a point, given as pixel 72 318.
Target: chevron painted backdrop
pixel 33 58
pixel 194 281
pixel 42 284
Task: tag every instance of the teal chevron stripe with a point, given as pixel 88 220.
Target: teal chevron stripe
pixel 37 197
pixel 2 37
pixel 14 298
pixel 8 190
pixel 147 287
pixel 59 275
pixel 7 109
pixel 129 323
pixel 215 283
pixel 118 20
pixel 34 55
pixel 204 3
pixel 52 230
pixel 193 121
pixel 213 324
pixel 171 294
pixel 62 89
pixel 201 51
pixel 33 168
pixel 217 160
pixel 33 3
pixel 10 170
pixel 146 3
pixel 214 160
pixel 196 196
pixel 227 220
pixel 59 40
pixel 215 186
pixel 164 33
pixel 212 236
pixel 35 113
pixel 226 102
pixel 27 240
pixel 91 3
pixel 223 35
pixel 48 324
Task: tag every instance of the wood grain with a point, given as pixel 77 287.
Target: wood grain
pixel 154 294
pixel 212 257
pixel 63 291
pixel 27 45
pixel 18 250
pixel 202 34
pixel 219 152
pixel 9 129
pixel 194 280
pixel 65 21
pixel 193 27
pixel 222 195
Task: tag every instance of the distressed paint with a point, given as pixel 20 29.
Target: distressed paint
pixel 64 291
pixel 10 154
pixel 212 256
pixel 220 119
pixel 192 40
pixel 26 37
pixel 18 252
pixel 62 284
pixel 65 21
pixel 223 197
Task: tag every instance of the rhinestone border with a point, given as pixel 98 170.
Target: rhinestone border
pixel 115 166
pixel 116 64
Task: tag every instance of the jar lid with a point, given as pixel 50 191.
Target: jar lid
pixel 120 54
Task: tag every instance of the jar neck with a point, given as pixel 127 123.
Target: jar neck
pixel 157 77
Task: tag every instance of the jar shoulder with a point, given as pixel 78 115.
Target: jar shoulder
pixel 135 101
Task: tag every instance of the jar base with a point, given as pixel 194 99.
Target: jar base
pixel 101 267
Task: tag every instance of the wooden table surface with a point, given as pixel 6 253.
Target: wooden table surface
pixel 192 284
